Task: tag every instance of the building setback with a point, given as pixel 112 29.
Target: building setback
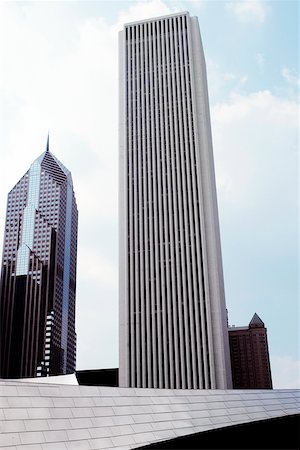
pixel 38 278
pixel 250 360
pixel 173 327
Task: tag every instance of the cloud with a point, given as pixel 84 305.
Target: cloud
pixel 291 76
pixel 229 76
pixel 239 79
pixel 100 271
pixel 248 10
pixel 244 79
pixel 255 139
pixel 262 104
pixel 144 9
pixel 260 59
pixel 219 80
pixel 285 372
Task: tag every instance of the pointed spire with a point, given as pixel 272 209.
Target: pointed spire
pixel 256 322
pixel 47 145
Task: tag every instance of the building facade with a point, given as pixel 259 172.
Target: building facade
pixel 249 352
pixel 38 277
pixel 173 326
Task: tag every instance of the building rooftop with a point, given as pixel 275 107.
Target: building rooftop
pixel 256 321
pixel 43 415
pixel 46 153
pixel 234 328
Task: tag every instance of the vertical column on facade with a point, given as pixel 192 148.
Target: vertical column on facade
pixel 172 197
pixel 29 304
pixel 167 199
pixel 163 233
pixel 140 313
pixel 24 336
pixel 179 242
pixel 157 207
pixel 136 317
pixel 202 256
pixel 208 287
pixel 195 249
pixel 29 318
pixel 33 299
pixel 147 202
pixel 39 304
pixel 130 238
pixel 183 206
pixel 144 211
pixel 188 209
pixel 152 190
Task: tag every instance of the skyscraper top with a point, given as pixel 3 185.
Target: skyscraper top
pixel 159 18
pixel 38 279
pixel 44 159
pixel 47 145
pixel 256 322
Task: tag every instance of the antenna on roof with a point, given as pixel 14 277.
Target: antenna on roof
pixel 47 145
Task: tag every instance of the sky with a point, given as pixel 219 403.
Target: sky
pixel 59 72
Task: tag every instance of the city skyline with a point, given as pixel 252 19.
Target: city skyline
pixel 172 310
pixel 38 273
pixel 53 76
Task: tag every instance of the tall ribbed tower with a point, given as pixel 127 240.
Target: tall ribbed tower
pixel 173 324
pixel 38 278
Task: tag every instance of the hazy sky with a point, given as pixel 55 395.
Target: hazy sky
pixel 59 71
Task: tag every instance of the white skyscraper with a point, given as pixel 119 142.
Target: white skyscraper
pixel 173 324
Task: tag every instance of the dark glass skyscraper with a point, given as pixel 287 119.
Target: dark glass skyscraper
pixel 38 278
